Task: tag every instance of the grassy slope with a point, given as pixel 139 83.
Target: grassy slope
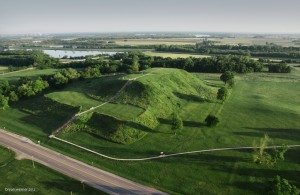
pixel 160 93
pixel 13 76
pixel 259 103
pixel 35 117
pixel 22 174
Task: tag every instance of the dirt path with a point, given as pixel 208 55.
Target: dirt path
pixel 98 106
pixel 167 155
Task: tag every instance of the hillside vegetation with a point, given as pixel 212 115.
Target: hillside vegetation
pixel 159 93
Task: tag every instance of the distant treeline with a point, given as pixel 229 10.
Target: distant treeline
pixel 208 47
pixel 121 62
pixel 136 61
pixel 23 58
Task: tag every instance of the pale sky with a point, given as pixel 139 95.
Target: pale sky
pixel 65 16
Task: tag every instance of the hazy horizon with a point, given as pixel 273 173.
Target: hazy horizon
pixel 92 16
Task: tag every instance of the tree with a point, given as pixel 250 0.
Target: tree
pixel 222 93
pixel 226 76
pixel 90 73
pixel 260 155
pixel 177 123
pixel 3 102
pixel 135 64
pixel 25 90
pixel 279 68
pixel 39 85
pixel 268 157
pixel 13 96
pixel 70 73
pixel 4 87
pixel 211 120
pixel 231 82
pixel 60 79
pixel 281 186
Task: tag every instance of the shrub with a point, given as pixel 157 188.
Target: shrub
pixel 13 96
pixel 226 76
pixel 222 93
pixel 282 186
pixel 211 120
pixel 231 83
pixel 279 68
pixel 176 123
pixel 3 102
pixel 262 156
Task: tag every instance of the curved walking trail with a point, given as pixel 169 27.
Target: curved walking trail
pixel 129 81
pixel 167 155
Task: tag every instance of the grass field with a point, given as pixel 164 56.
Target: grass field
pixel 174 55
pixel 170 41
pixel 33 73
pixel 22 174
pixel 191 41
pixel 286 42
pixel 3 69
pixel 259 103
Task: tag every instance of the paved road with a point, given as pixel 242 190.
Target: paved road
pixel 91 176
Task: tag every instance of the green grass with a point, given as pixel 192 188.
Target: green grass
pixel 3 69
pixel 13 76
pixel 36 117
pixel 22 174
pixel 174 55
pixel 259 103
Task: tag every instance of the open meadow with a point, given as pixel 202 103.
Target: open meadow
pixel 259 103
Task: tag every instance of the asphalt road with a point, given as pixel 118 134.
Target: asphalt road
pixel 97 178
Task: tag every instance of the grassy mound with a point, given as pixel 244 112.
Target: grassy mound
pixel 162 92
pixel 109 127
pixel 154 95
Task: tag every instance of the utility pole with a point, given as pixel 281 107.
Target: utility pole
pixel 32 161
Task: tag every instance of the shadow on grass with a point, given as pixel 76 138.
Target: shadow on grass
pixel 140 127
pixel 44 113
pixel 193 124
pixel 70 186
pixel 256 187
pixel 194 98
pixel 281 133
pixel 185 123
pixel 205 158
pixel 267 173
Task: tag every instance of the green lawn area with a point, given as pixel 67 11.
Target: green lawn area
pixel 174 55
pixel 13 76
pixel 3 69
pixel 22 174
pixel 259 103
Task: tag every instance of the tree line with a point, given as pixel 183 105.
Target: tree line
pixel 22 58
pixel 208 47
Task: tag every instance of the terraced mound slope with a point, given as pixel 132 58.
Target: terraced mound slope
pixel 159 93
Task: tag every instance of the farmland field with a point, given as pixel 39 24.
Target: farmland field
pixel 286 42
pixel 174 55
pixel 171 41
